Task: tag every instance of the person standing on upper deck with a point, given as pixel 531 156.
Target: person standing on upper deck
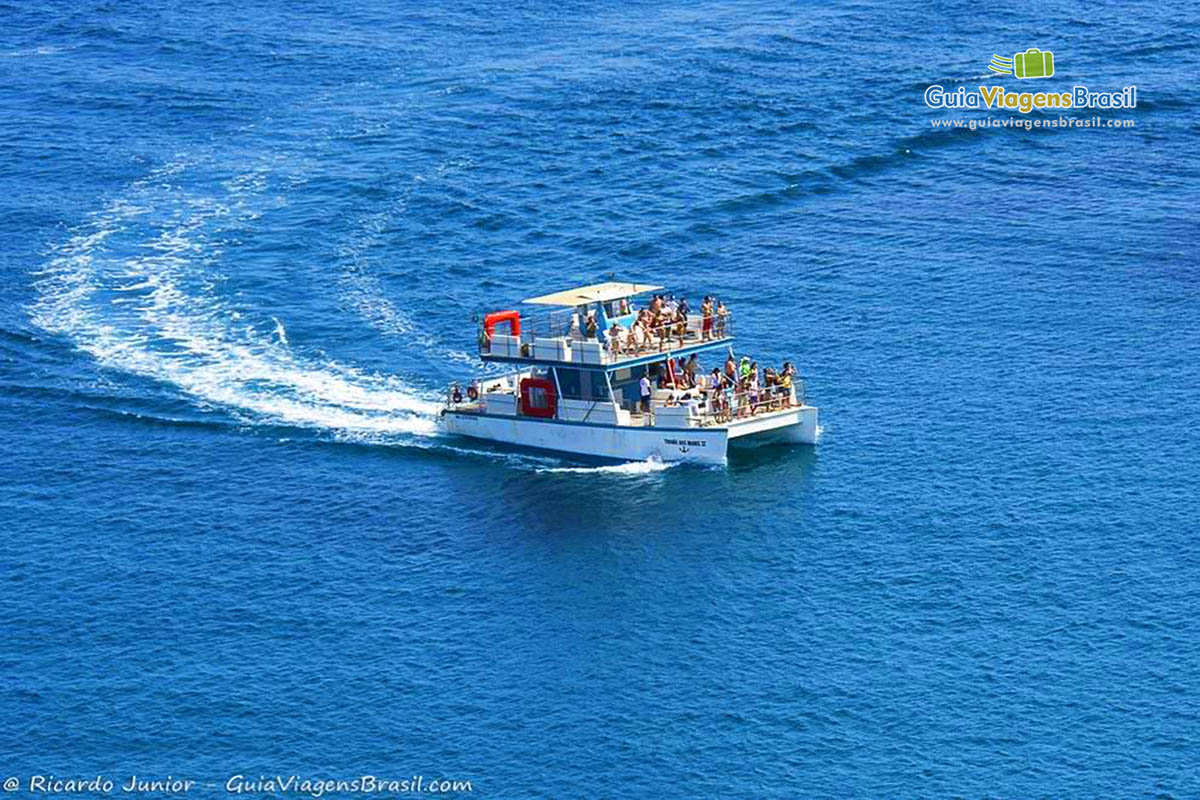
pixel 706 312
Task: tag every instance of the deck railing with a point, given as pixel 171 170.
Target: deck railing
pixel 726 405
pixel 630 342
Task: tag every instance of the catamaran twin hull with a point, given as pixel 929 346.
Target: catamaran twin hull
pixel 636 443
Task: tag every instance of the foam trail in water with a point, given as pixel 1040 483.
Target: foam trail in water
pixel 148 308
pixel 280 332
pixel 647 467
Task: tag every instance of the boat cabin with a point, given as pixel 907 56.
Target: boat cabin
pixel 601 325
pixel 582 354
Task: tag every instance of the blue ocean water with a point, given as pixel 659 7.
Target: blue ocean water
pixel 241 248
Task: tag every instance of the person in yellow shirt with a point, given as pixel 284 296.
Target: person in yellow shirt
pixel 785 381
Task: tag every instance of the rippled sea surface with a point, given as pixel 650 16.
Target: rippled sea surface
pixel 241 245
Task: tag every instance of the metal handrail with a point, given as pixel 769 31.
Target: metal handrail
pixel 664 338
pixel 732 402
pixel 735 402
pixel 670 332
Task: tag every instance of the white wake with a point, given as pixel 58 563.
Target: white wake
pixel 135 288
pixel 647 467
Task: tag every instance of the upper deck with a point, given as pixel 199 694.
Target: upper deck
pixel 601 327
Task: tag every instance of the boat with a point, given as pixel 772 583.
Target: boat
pixel 611 371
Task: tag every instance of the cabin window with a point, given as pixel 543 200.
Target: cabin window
pixel 581 384
pixel 570 382
pixel 537 397
pixel 617 308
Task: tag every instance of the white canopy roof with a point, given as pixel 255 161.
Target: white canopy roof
pixel 596 293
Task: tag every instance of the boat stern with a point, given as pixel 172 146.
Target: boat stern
pixel 795 425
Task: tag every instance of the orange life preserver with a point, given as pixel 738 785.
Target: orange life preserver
pixel 513 318
pixel 528 409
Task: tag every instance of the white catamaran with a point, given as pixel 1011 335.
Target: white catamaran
pixel 599 376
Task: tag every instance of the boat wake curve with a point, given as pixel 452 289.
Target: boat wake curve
pixel 134 288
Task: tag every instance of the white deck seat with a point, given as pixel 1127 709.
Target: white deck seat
pixel 673 416
pixel 589 351
pixel 552 349
pixel 500 403
pixel 505 345
pixel 601 412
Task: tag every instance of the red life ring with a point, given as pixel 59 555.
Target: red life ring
pixel 542 403
pixel 513 318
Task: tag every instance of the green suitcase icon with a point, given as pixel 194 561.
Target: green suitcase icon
pixel 1033 63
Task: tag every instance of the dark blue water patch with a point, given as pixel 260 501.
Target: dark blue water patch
pixel 216 559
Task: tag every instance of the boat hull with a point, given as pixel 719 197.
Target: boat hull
pixel 625 443
pixel 794 426
pixel 618 442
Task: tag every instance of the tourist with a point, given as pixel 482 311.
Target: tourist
pixel 713 390
pixel 753 385
pixel 639 334
pixel 680 325
pixel 662 327
pixel 692 368
pixel 785 382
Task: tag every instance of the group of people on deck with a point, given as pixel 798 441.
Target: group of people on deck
pixel 665 318
pixel 746 390
pixel 740 388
